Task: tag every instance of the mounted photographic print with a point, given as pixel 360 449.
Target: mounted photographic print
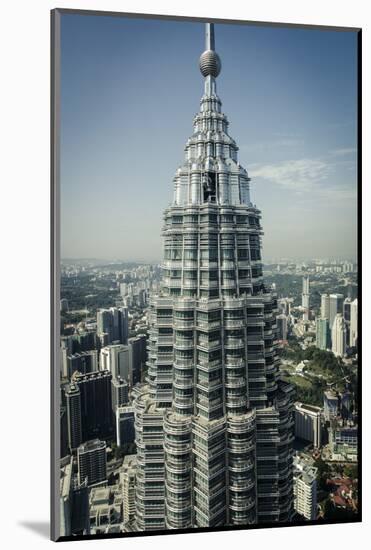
pixel 205 374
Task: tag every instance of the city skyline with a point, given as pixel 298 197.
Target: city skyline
pixel 204 392
pixel 308 78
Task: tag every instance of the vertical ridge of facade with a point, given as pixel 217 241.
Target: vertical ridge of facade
pixel 214 423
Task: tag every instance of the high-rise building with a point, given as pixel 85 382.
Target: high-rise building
pixel 64 447
pixel 67 342
pixel 115 322
pixel 120 393
pixel 346 309
pixel 346 315
pixel 346 404
pixel 92 462
pixel 84 362
pixel 127 482
pixel 102 340
pixel 348 267
pixel 305 298
pixel 305 488
pixel 336 306
pixel 308 423
pixel 123 289
pixel 138 356
pixel 339 335
pixel 330 405
pixel 323 335
pixel 65 351
pixel 96 404
pixel 74 501
pixel 84 341
pixel 80 507
pixel 281 327
pixel 284 306
pixel 116 359
pixel 353 334
pixel 63 305
pixel 125 431
pixel 325 306
pixel 215 411
pixel 74 425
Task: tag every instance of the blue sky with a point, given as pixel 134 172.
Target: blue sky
pixel 129 91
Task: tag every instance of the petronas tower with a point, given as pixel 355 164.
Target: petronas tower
pixel 214 424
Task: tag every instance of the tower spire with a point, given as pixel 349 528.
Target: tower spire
pixel 210 64
pixel 210 37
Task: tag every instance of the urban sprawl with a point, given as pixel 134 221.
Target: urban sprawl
pixel 198 393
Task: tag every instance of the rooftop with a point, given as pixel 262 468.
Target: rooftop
pixel 309 408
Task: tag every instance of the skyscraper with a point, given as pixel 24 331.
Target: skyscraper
pixel 125 432
pixel 346 314
pixel 305 298
pixel 137 356
pixel 323 335
pixel 74 425
pixel 114 322
pixel 84 362
pixel 214 425
pixel 335 306
pixel 339 334
pixel 96 404
pixel 325 306
pixel 353 337
pixel 281 327
pixel 116 359
pixel 120 393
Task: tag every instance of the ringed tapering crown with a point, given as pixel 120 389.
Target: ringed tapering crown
pixel 210 64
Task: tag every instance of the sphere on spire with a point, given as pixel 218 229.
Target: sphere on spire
pixel 210 64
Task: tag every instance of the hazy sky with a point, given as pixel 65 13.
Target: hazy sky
pixel 130 89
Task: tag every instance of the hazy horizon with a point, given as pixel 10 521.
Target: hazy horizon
pixel 159 260
pixel 129 91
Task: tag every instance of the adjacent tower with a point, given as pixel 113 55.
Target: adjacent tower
pixel 214 423
pixel 305 298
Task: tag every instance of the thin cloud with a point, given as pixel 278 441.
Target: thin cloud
pixel 306 175
pixel 343 152
pixel 298 175
pixel 282 142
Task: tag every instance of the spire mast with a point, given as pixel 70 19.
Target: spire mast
pixel 210 64
pixel 210 37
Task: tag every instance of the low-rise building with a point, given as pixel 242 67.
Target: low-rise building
pixel 343 442
pixel 105 510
